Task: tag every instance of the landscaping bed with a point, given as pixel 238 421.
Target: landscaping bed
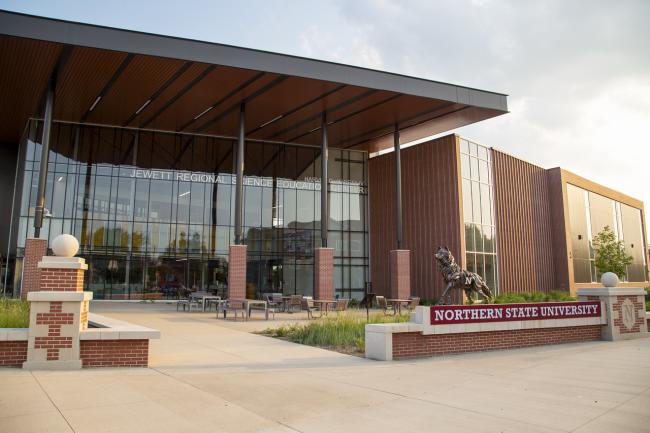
pixel 344 333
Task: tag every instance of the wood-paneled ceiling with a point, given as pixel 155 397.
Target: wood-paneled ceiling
pixel 123 87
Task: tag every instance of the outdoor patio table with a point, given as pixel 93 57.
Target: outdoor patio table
pixel 204 298
pixel 251 302
pixel 324 304
pixel 399 303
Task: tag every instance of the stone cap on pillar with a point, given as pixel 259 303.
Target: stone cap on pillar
pixel 60 296
pixel 611 291
pixel 63 263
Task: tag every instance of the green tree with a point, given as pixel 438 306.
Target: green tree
pixel 610 253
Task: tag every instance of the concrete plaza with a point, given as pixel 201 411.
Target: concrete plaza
pixel 208 375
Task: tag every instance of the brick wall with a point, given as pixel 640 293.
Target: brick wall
pixel 400 274
pixel 237 272
pixel 13 353
pixel 414 344
pixel 35 249
pixel 115 353
pixel 324 273
pixel 62 280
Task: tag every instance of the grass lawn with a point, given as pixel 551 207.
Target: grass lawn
pixel 344 333
pixel 14 313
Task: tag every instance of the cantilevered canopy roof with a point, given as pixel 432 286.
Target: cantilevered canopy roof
pixel 126 78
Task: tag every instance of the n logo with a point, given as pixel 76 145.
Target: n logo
pixel 628 314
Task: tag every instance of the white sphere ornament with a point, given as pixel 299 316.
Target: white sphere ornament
pixel 609 279
pixel 65 245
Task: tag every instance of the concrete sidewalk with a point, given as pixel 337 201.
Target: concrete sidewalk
pixel 211 376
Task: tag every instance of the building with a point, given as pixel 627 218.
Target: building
pixel 522 227
pixel 162 153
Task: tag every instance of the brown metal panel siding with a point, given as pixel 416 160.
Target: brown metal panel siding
pixel 523 222
pixel 381 206
pixel 430 206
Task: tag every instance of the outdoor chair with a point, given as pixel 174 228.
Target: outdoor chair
pixel 188 303
pixel 341 305
pixel 276 301
pixel 236 306
pixel 384 305
pixel 310 308
pixel 294 302
pixel 415 301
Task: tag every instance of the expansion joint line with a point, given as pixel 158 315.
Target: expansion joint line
pixel 52 401
pixel 224 399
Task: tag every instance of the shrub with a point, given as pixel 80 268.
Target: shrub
pixel 14 313
pixel 525 297
pixel 353 303
pixel 428 302
pixel 345 332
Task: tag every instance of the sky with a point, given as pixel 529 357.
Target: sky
pixel 577 72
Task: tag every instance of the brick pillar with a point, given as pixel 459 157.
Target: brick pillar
pixel 400 274
pixel 35 249
pixel 58 312
pixel 324 273
pixel 237 272
pixel 624 309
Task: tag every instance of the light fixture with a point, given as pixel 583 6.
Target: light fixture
pixel 183 194
pixel 315 129
pixel 60 179
pixel 271 121
pixel 92 107
pixel 143 106
pixel 203 112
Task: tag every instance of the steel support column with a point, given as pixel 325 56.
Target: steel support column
pixel 398 189
pixel 324 208
pixel 45 152
pixel 239 186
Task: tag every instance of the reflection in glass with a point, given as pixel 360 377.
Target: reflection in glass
pixel 480 240
pixel 152 231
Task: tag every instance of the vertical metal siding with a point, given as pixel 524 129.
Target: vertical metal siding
pixel 431 215
pixel 524 225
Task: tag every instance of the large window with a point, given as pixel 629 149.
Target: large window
pixel 589 214
pixel 478 211
pixel 154 212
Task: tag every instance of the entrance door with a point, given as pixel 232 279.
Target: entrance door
pixel 264 275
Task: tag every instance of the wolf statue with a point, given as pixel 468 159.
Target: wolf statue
pixel 458 278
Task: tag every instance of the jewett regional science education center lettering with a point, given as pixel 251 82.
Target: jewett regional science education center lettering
pixel 452 314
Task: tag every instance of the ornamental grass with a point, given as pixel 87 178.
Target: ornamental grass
pixel 343 333
pixel 14 313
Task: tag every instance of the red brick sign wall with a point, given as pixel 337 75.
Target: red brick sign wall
pixel 453 314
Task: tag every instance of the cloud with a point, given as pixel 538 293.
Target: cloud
pixel 578 75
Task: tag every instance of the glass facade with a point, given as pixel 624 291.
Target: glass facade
pixel 478 211
pixel 589 213
pixel 154 211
